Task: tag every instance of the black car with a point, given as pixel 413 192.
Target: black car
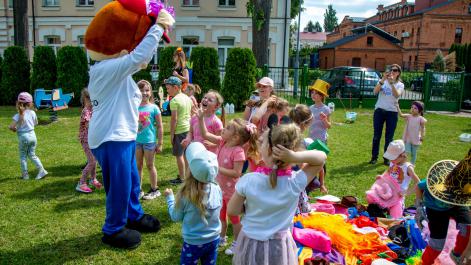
pixel 351 81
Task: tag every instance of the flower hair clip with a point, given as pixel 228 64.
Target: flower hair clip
pixel 251 128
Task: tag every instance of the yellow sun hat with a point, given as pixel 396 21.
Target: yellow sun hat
pixel 321 86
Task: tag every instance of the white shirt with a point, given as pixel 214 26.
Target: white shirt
pixel 268 210
pixel 29 121
pixel 114 94
pixel 386 99
pixel 406 180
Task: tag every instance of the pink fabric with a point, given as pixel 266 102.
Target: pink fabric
pixel 84 119
pixel 213 125
pixel 385 191
pixel 323 207
pixel 444 257
pixel 280 172
pixel 227 155
pixel 412 129
pixel 397 210
pixel 314 239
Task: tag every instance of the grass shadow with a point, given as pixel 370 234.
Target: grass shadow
pixel 65 170
pixel 79 204
pixel 63 189
pixel 354 168
pixel 55 253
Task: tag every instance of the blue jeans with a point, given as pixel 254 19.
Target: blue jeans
pixel 380 117
pixel 412 149
pixel 207 253
pixel 27 146
pixel 122 184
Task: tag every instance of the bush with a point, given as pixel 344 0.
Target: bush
pixel 44 72
pixel 205 63
pixel 166 64
pixel 72 71
pixel 239 80
pixel 15 74
pixel 143 74
pixel 452 90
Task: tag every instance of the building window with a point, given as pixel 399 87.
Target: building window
pixel 458 35
pixel 10 3
pixel 85 2
pixel 395 33
pixel 224 47
pixel 50 2
pixel 369 41
pixel 53 41
pixel 469 9
pixel 227 3
pixel 191 3
pixel 188 44
pixel 356 61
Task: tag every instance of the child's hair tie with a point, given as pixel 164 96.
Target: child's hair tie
pixel 251 128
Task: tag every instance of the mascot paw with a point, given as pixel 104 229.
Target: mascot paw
pixel 126 238
pixel 147 223
pixel 165 19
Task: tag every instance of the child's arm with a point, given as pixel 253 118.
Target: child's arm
pixel 204 131
pixel 415 180
pixel 402 115
pixel 160 133
pixel 257 116
pixel 12 126
pixel 236 204
pixel 185 77
pixel 236 172
pixel 325 120
pixel 173 124
pixel 422 129
pixel 176 214
pixel 188 138
pixel 314 159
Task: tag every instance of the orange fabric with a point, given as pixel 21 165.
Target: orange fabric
pixel 115 28
pixel 353 245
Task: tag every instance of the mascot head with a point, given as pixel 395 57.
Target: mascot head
pixel 120 26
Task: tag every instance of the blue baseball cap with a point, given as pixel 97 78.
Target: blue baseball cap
pixel 173 80
pixel 203 163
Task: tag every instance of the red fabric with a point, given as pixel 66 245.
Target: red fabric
pixel 461 242
pixel 429 256
pixel 363 221
pixel 223 214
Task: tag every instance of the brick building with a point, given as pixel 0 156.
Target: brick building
pixel 421 28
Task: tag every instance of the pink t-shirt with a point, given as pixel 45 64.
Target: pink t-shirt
pixel 412 129
pixel 227 155
pixel 213 125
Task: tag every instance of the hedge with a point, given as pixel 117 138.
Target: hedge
pixel 44 72
pixel 72 71
pixel 206 73
pixel 166 64
pixel 15 74
pixel 239 79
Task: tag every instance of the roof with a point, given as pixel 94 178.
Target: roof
pixel 357 19
pixel 341 41
pixel 313 36
pixel 360 32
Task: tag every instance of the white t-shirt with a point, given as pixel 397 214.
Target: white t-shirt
pixel 267 210
pixel 406 178
pixel 29 121
pixel 386 99
pixel 114 94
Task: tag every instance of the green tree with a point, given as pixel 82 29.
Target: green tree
pixel 438 63
pixel 309 27
pixel 330 19
pixel 239 79
pixel 15 74
pixel 166 64
pixel 206 73
pixel 72 71
pixel 44 72
pixel 295 6
pixel 260 10
pixel 317 27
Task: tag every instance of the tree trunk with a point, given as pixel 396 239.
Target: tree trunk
pixel 260 42
pixel 20 17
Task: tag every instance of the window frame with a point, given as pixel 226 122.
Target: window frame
pixel 47 4
pixel 369 41
pixel 55 46
pixel 187 48
pixel 458 38
pixel 226 4
pixel 86 4
pixel 192 3
pixel 226 48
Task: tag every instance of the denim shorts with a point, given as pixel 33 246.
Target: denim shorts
pixel 145 147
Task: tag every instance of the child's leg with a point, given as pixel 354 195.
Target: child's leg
pixel 210 253
pixel 414 153
pixel 32 151
pixel 181 166
pixel 149 156
pixel 90 168
pixel 438 225
pixel 139 161
pixel 236 226
pixel 190 254
pixel 396 210
pixel 463 220
pixel 223 218
pixel 178 151
pixel 23 150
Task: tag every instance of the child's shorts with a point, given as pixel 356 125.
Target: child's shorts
pixel 235 219
pixel 145 147
pixel 177 147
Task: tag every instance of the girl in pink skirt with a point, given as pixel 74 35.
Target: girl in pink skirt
pixel 269 196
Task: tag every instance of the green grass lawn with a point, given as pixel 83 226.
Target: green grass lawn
pixel 48 222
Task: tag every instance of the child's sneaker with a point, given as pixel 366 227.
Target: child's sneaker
pixel 141 194
pixel 152 194
pixel 41 174
pixel 230 251
pixel 25 175
pixel 83 187
pixel 95 183
pixel 223 241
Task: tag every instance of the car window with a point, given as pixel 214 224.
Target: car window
pixel 370 74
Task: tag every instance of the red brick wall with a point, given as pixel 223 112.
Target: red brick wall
pixel 422 4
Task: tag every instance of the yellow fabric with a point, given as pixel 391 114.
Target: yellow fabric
pixel 352 245
pixel 306 254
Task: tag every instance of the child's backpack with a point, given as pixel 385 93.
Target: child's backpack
pixel 408 239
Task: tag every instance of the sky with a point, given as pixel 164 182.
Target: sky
pixel 315 9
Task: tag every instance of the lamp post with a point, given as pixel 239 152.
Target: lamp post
pixel 296 62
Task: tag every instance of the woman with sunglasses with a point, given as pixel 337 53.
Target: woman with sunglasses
pixel 388 89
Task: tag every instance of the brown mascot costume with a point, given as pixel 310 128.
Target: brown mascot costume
pixel 121 38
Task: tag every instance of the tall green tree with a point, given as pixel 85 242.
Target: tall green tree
pixel 44 74
pixel 260 10
pixel 309 27
pixel 15 74
pixel 330 19
pixel 317 27
pixel 72 71
pixel 295 6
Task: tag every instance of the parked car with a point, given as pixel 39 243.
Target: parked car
pixel 438 83
pixel 351 81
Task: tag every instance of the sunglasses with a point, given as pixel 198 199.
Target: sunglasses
pixel 394 70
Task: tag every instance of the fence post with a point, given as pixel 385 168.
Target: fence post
pixel 302 97
pixel 426 88
pixel 461 95
pixel 265 70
